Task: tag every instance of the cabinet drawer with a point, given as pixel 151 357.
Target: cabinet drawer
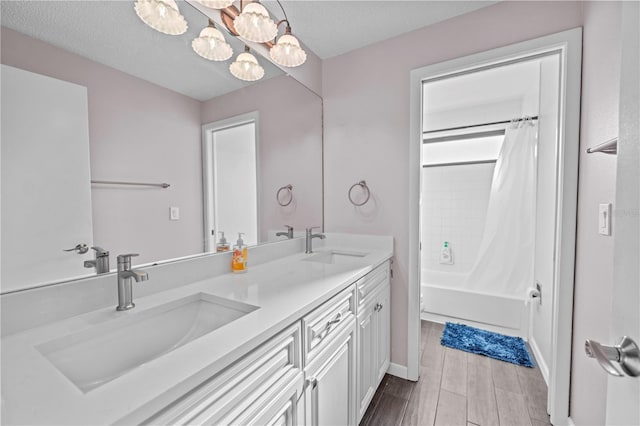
pixel 370 282
pixel 227 394
pixel 322 324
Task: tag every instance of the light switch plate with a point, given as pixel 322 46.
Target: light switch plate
pixel 604 219
pixel 174 213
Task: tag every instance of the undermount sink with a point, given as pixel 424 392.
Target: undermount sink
pixel 108 350
pixel 339 257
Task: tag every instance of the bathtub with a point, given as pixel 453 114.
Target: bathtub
pixel 443 299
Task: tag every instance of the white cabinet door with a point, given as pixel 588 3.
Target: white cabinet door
pixel 279 409
pixel 366 358
pixel 374 325
pixel 263 387
pixel 329 397
pixel 383 333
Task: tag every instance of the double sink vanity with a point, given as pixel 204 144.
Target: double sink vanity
pixel 298 339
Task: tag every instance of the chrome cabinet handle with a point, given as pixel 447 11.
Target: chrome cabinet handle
pixel 626 353
pixel 80 248
pixel 336 320
pixel 313 382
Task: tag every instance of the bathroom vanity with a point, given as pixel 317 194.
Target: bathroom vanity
pixel 298 339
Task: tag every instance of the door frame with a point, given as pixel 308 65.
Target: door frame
pixel 208 186
pixel 569 46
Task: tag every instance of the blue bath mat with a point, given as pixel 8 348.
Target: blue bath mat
pixel 470 339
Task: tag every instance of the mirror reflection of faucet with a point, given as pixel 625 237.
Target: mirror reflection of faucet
pixel 125 274
pixel 100 262
pixel 288 233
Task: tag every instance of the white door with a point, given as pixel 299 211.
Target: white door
pixel 46 204
pixel 231 186
pixel 623 393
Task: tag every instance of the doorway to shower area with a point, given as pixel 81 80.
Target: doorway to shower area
pixel 488 199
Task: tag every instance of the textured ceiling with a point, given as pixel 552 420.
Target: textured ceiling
pixel 109 32
pixel 331 28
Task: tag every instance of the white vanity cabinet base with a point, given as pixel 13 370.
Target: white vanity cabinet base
pixel 374 326
pixel 330 381
pixel 330 362
pixel 260 388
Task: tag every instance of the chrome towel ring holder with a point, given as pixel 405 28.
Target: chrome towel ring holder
pixel 362 184
pixel 288 192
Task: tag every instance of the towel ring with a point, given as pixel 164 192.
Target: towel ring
pixel 364 187
pixel 287 188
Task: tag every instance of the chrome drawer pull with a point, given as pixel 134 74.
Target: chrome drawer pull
pixel 313 382
pixel 336 320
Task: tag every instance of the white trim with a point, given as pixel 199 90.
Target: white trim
pixel 537 354
pixel 569 45
pixel 570 422
pixel 397 370
pixel 207 146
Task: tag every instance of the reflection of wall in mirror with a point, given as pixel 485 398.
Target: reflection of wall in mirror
pixel 142 132
pixel 138 132
pixel 289 147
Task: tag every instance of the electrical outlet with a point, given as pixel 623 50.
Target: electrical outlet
pixel 174 213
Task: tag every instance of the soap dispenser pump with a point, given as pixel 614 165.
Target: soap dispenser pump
pixel 239 258
pixel 446 258
pixel 222 245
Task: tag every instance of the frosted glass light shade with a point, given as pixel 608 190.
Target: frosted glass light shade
pixel 254 24
pixel 211 45
pixel 161 15
pixel 287 52
pixel 216 4
pixel 246 67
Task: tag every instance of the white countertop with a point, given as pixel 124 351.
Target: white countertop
pixel 34 391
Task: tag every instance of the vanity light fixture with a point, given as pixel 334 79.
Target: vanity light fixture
pixel 161 15
pixel 216 4
pixel 211 44
pixel 287 51
pixel 255 24
pixel 246 67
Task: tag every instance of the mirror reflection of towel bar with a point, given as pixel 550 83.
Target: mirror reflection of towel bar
pixel 109 182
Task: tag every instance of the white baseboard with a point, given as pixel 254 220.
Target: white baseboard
pixel 398 370
pixel 542 365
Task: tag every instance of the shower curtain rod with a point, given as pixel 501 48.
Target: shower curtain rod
pixel 535 117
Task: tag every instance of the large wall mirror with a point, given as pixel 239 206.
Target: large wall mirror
pixel 97 96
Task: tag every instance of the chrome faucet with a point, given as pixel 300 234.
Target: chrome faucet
pixel 288 233
pixel 100 262
pixel 310 237
pixel 125 274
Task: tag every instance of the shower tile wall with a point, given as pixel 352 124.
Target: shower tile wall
pixel 455 200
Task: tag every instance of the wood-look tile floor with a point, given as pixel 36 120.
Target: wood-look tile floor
pixel 460 388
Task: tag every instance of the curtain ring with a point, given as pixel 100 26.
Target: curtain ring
pixel 287 188
pixel 364 187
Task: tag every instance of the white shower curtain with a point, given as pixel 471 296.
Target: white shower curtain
pixel 505 260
